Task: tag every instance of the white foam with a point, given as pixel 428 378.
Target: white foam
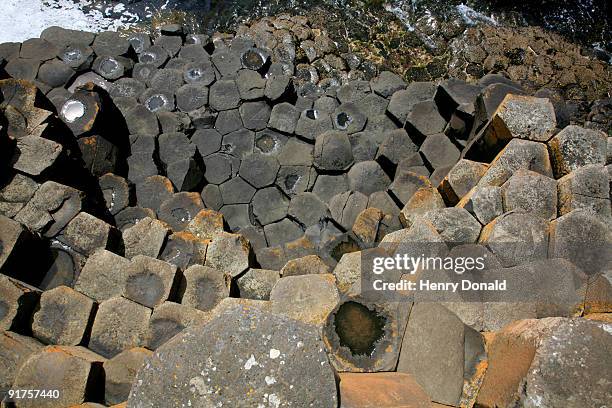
pixel 23 19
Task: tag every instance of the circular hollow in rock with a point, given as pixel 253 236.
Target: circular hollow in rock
pixel 73 110
pixel 358 327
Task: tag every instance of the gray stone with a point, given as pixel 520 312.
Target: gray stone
pixel 16 349
pixel 255 115
pixel 199 72
pixel 116 192
pixel 296 179
pixel 21 68
pixel 15 193
pixel 485 203
pixel 455 225
pixel 112 333
pixel 228 121
pixel 141 121
pixel 257 283
pixel 224 95
pixel 236 216
pixel 146 237
pixel 432 332
pixel 109 67
pixel 526 117
pixel 424 120
pixel 229 253
pixel 387 83
pixel 227 62
pixel 368 177
pixel 296 153
pixel 309 378
pixel 208 141
pixel 131 215
pixel 179 156
pixel 575 147
pixel 587 188
pixel 284 117
pixel 345 207
pixel 527 191
pixel 461 178
pixel 307 209
pixel 250 85
pixel 307 265
pixel 190 97
pixel 396 146
pixel 269 141
pixel 183 249
pixel 55 73
pixel 312 123
pixel 153 191
pixel 110 43
pixel 365 145
pixel 239 143
pixel 403 101
pixel 17 304
pixel 333 151
pixel 283 231
pixel 120 372
pixel 169 319
pixel 34 154
pixel 439 151
pixel 236 191
pixel 270 205
pixel 154 55
pixel 63 317
pixel 277 86
pixel 86 233
pixel 516 238
pixel 211 196
pixel 204 287
pixel 38 48
pixel 456 95
pixel 259 170
pixel 353 91
pixel 405 184
pixel 103 276
pixel 51 208
pixel 326 186
pixel 423 200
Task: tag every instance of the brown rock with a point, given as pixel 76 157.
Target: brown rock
pixel 309 264
pixel 381 390
pixel 206 224
pixel 367 224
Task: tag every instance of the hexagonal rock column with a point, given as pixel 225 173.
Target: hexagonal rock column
pixel 15 349
pixel 575 147
pixel 149 281
pixel 103 276
pixel 120 372
pixel 276 361
pixel 17 302
pixel 381 390
pixel 168 319
pixel 204 287
pixel 229 253
pixel 69 369
pixel 530 360
pixel 120 324
pixel 586 188
pixel 257 283
pixel 361 336
pixel 441 353
pixel 307 298
pixel 333 151
pixel 63 317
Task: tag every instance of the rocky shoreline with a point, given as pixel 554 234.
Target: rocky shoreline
pixel 187 220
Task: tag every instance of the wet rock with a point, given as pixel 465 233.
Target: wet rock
pixel 120 372
pixel 86 233
pixel 149 281
pixel 588 188
pixel 51 208
pixel 257 283
pixel 204 287
pixel 112 333
pixel 146 237
pixel 375 345
pixel 63 317
pixel 103 276
pixel 168 319
pixel 382 390
pixel 462 177
pixel 333 151
pixel 270 205
pixel 284 117
pixel 70 369
pixel 439 151
pixel 516 237
pixel 575 147
pixel 116 192
pixel 313 381
pixel 17 304
pixel 229 253
pixel 178 210
pixel 527 191
pixel 131 215
pixel 433 332
pixel 16 349
pixel 307 298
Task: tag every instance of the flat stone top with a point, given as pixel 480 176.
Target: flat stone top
pixel 245 357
